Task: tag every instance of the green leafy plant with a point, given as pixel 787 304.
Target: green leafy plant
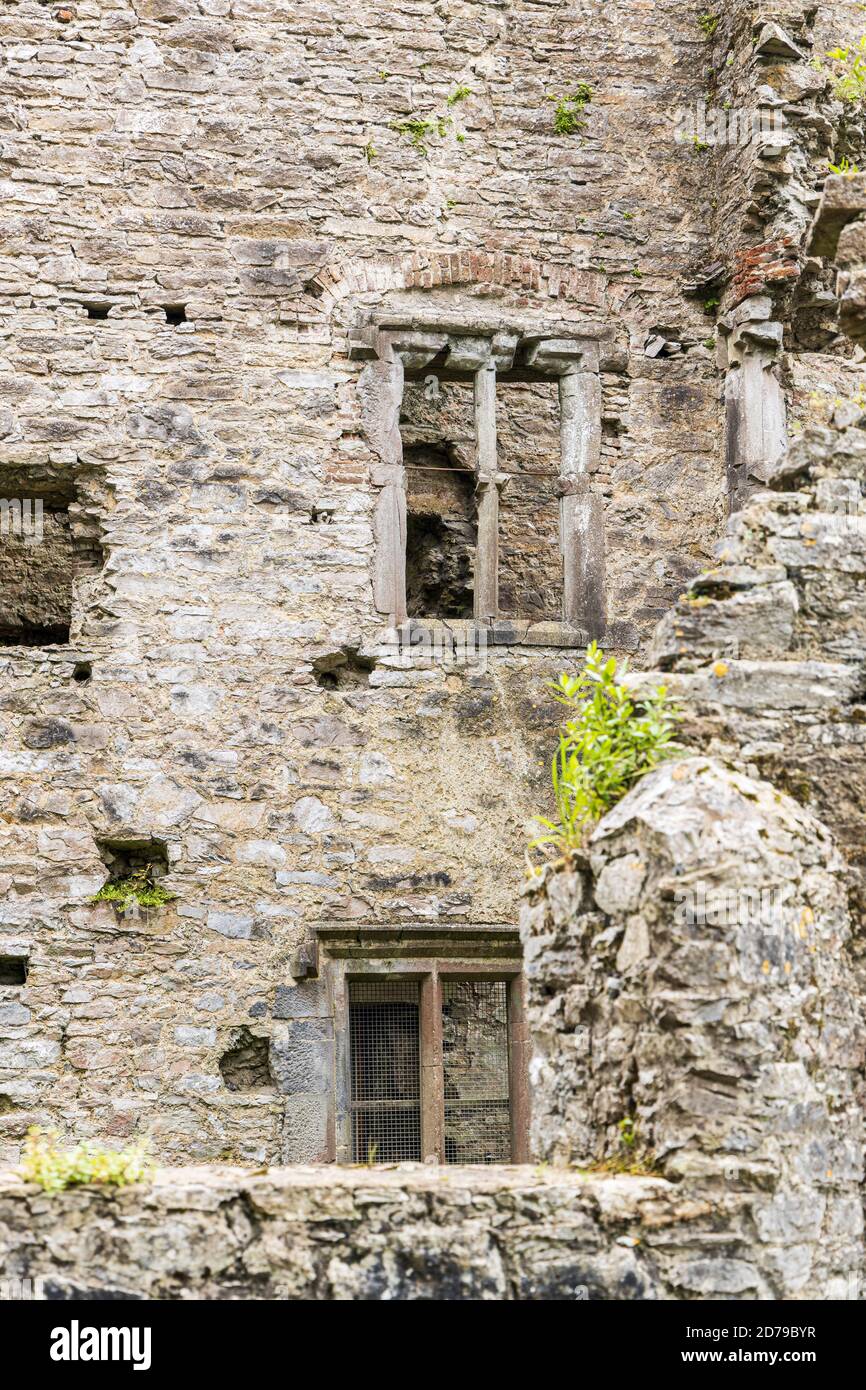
pixel 569 109
pixel 55 1169
pixel 843 167
pixel 609 740
pixel 369 151
pixel 139 887
pixel 708 23
pixel 628 1131
pixel 459 94
pixel 633 1156
pixel 848 71
pixel 417 131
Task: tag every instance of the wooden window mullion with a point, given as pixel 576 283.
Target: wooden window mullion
pixel 432 1087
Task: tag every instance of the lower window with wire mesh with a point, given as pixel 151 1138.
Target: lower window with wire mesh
pixel 385 1033
pixel 388 1049
pixel 475 1067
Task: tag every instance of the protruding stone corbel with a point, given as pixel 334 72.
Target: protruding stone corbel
pixel 556 356
pixel 416 350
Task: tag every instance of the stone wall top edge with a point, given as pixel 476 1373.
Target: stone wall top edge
pixel 420 1177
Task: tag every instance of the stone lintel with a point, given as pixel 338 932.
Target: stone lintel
pixel 470 341
pixel 418 939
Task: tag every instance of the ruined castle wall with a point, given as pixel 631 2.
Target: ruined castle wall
pixel 766 650
pixel 197 208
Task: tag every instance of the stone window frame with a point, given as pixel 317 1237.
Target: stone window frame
pixel 398 347
pixel 348 954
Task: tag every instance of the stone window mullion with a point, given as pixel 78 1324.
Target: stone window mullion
pixel 487 547
pixel 581 507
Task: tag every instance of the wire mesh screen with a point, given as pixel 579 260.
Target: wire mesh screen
pixel 384 1028
pixel 475 1056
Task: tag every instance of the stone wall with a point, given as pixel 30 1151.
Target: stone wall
pixel 695 975
pixel 766 650
pixel 695 1011
pixel 415 1233
pixel 199 207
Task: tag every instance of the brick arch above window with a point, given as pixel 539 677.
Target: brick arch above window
pixel 428 270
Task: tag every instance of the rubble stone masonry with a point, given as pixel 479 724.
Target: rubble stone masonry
pixel 260 268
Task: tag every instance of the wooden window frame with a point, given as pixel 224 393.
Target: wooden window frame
pixel 430 974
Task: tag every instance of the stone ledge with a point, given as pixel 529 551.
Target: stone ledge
pixel 404 1232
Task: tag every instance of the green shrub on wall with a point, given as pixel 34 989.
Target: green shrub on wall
pixel 54 1169
pixel 610 739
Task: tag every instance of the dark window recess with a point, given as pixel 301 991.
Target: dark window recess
pixel 441 534
pixel 384 1027
pixel 97 311
pixel 37 566
pixel 82 671
pixel 476 1072
pixel 13 970
pixel 175 313
pixel 46 543
pixel 246 1065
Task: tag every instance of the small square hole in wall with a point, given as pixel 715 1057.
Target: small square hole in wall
pixel 175 313
pixel 135 868
pixel 245 1066
pixel 343 669
pixel 97 311
pixel 123 857
pixel 13 969
pixel 82 671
